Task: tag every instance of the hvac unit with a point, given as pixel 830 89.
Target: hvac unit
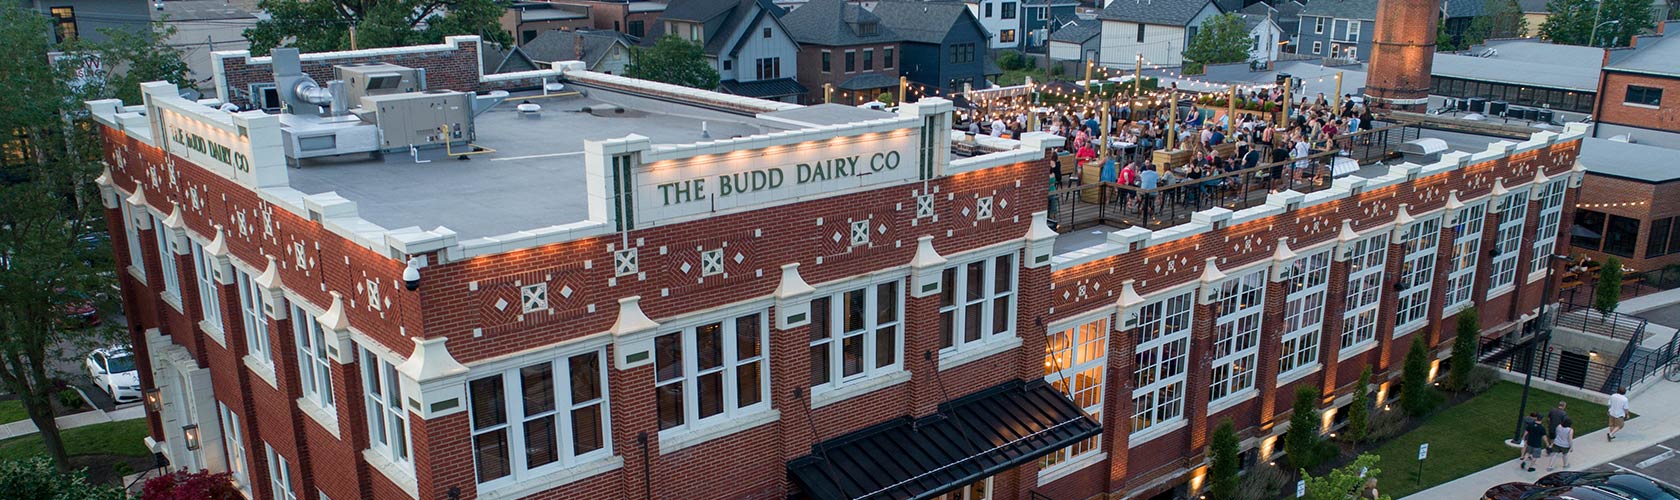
pixel 428 118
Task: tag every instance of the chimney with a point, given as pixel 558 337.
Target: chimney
pixel 577 45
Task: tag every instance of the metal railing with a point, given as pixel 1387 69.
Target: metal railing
pixel 1645 363
pixel 1584 318
pixel 1171 204
pixel 1551 363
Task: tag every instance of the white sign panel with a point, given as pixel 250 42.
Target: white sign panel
pixel 1423 451
pixel 703 184
pixel 1300 488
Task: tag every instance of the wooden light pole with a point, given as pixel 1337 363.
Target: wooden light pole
pixel 1338 93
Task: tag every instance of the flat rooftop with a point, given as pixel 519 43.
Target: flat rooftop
pixel 1525 63
pixel 1636 162
pixel 535 177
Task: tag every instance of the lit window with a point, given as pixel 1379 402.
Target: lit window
pixel 538 419
pixel 1502 272
pixel 387 420
pixel 711 372
pixel 233 442
pixel 1419 243
pixel 1467 247
pixel 1366 259
pixel 314 369
pixel 1236 333
pixel 1075 361
pixel 856 334
pixel 976 302
pixel 1306 283
pixel 1545 237
pixel 1163 341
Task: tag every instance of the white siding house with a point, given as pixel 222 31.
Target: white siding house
pixel 1157 29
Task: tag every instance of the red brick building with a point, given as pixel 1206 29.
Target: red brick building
pixel 747 299
pixel 1638 89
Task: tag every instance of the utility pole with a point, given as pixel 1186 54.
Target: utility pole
pixel 1592 40
pixel 1137 84
pixel 1544 335
pixel 1089 65
pixel 352 36
pixel 1283 118
pixel 1231 112
pixel 1338 93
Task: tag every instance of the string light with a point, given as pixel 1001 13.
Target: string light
pixel 1611 205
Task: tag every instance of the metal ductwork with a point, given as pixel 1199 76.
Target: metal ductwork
pixel 298 90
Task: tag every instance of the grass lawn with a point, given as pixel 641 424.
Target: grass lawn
pixel 12 411
pixel 1470 437
pixel 126 438
pixel 1017 77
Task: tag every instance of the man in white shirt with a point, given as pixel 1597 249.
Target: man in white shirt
pixel 1618 412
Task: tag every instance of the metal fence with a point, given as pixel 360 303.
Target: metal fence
pixel 1584 318
pixel 1581 370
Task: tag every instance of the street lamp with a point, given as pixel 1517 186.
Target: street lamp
pixel 1545 333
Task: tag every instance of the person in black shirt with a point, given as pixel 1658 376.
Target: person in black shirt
pixel 1534 442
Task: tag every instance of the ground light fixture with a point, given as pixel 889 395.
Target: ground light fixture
pixel 191 432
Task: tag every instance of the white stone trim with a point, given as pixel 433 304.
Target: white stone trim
pixel 328 419
pixel 555 479
pixel 827 394
pixel 995 344
pixel 1067 468
pixel 694 433
pixel 262 370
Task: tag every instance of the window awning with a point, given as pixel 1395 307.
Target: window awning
pixel 971 438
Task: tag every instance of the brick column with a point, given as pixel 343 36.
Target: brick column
pixel 117 226
pixel 1271 332
pixel 1525 256
pixel 1330 344
pixel 352 410
pixel 1117 404
pixel 1388 307
pixel 1031 309
pixel 283 346
pixel 1444 258
pixel 1200 361
pixel 1484 261
pixel 790 349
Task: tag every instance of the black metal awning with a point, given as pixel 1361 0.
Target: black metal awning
pixel 971 438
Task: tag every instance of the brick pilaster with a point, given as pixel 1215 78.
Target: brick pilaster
pixel 1389 306
pixel 921 354
pixel 1271 341
pixel 1525 256
pixel 1484 261
pixel 1197 375
pixel 1330 345
pixel 1444 258
pixel 1117 405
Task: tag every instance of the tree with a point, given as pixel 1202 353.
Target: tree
pixel 183 485
pixel 1301 441
pixel 1221 39
pixel 675 61
pixel 1359 410
pixel 1465 344
pixel 1345 482
pixel 1571 22
pixel 1499 19
pixel 1607 293
pixel 1223 477
pixel 36 479
pixel 143 57
pixel 48 206
pixel 326 25
pixel 1444 39
pixel 1417 397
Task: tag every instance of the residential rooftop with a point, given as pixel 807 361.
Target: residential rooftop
pixel 1656 54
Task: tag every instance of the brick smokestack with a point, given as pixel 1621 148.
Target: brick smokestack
pixel 1402 52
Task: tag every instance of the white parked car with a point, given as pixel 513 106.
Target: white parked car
pixel 113 370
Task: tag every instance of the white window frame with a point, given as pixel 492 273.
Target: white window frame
pixel 1162 361
pixel 1546 233
pixel 872 329
pixel 1236 337
pixel 1353 32
pixel 1366 259
pixel 729 368
pixel 1502 271
pixel 1318 28
pixel 136 260
pixel 314 368
pixel 1420 242
pixel 253 318
pixel 209 293
pixel 1351 52
pixel 1076 363
pixel 166 259
pixel 561 409
pixel 1318 47
pixel 386 416
pixel 968 492
pixel 1306 290
pixel 1468 225
pixel 279 475
pixel 954 299
pixel 233 443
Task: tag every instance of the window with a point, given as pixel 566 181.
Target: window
pixel 769 68
pixel 539 418
pixel 1254 44
pixel 1318 47
pixel 1664 239
pixel 279 475
pixel 1620 235
pixel 1074 362
pixel 1419 243
pixel 1191 32
pixel 1140 33
pixel 976 302
pixel 1351 52
pixel 1236 333
pixel 204 272
pixel 1006 36
pixel 1352 34
pixel 851 61
pixel 867 29
pixel 868 59
pixel 635 28
pixel 979 490
pixel 859 328
pixel 253 318
pixel 1643 96
pixel 962 53
pixel 527 35
pixel 233 442
pixel 1042 14
pixel 166 258
pixel 1467 246
pixel 1163 341
pixel 387 420
pixel 314 369
pixel 1551 214
pixel 1306 284
pixel 711 372
pixel 694 33
pixel 64 23
pixel 766 32
pixel 986 7
pixel 1508 243
pixel 1318 27
pixel 827 61
pixel 1008 10
pixel 1366 259
pixel 887 57
pixel 136 259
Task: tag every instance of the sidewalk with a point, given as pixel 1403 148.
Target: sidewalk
pixel 83 419
pixel 1654 424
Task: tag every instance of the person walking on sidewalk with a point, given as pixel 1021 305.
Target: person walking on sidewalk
pixel 1563 438
pixel 1554 417
pixel 1618 412
pixel 1534 442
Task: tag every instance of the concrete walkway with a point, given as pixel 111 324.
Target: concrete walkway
pixel 1656 423
pixel 83 419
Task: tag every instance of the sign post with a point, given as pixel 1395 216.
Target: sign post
pixel 1300 488
pixel 1423 452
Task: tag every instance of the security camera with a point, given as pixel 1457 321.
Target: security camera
pixel 411 274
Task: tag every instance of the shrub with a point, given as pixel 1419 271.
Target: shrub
pixel 1417 397
pixel 885 98
pixel 182 485
pixel 69 399
pixel 37 478
pixel 1464 349
pixel 1359 410
pixel 1011 60
pixel 1608 292
pixel 1481 379
pixel 1386 424
pixel 1302 441
pixel 1222 474
pixel 1263 482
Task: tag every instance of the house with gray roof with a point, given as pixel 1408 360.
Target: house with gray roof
pixel 1263 35
pixel 600 50
pixel 1043 18
pixel 1639 90
pixel 850 57
pixel 1339 29
pixel 1077 41
pixel 1287 15
pixel 1158 30
pixel 942 45
pixel 744 40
